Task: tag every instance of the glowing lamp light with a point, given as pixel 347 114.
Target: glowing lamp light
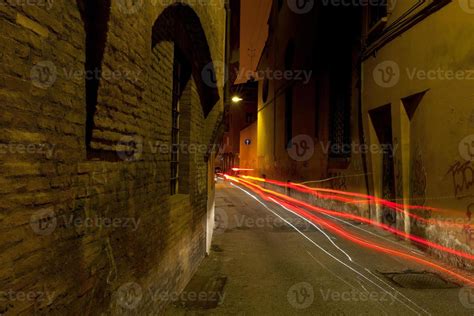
pixel 237 99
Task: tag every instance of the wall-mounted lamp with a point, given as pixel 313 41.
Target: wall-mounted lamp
pixel 237 99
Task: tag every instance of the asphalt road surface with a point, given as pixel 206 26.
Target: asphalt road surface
pixel 269 261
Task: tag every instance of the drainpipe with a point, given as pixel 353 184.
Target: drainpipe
pixel 362 138
pixel 275 95
pixel 227 62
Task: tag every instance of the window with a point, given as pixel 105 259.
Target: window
pixel 178 75
pixel 340 126
pixel 249 118
pixel 289 61
pixel 265 90
pixel 340 110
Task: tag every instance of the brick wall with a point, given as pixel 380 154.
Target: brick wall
pixel 95 231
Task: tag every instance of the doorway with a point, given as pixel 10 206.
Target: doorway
pixel 381 118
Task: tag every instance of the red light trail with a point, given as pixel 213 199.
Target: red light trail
pixel 291 203
pixel 366 199
pixel 304 188
pixel 336 229
pixel 363 220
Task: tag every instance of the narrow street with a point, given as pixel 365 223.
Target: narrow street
pixel 275 263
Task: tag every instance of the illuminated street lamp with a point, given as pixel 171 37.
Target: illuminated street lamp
pixel 237 99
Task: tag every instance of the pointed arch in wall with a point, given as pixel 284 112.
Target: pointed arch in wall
pixel 180 24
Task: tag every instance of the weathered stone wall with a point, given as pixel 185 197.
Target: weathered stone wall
pixel 100 234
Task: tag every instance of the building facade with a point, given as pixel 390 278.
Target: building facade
pixel 108 110
pixel 248 148
pixel 238 116
pixel 308 99
pixel 386 109
pixel 420 103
